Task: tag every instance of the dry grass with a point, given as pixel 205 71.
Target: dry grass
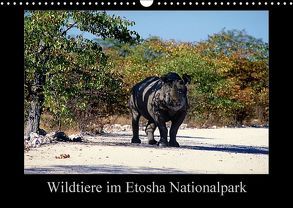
pixel 123 120
pixel 49 125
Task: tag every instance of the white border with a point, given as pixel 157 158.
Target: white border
pixel 159 3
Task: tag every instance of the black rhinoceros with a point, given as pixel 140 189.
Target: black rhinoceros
pixel 159 100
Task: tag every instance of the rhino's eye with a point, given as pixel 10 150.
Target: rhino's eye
pixel 180 91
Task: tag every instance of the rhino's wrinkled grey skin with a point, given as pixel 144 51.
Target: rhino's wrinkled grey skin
pixel 159 100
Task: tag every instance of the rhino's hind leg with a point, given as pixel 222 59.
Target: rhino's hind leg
pixel 135 126
pixel 150 129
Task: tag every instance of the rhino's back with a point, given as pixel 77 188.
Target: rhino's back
pixel 143 92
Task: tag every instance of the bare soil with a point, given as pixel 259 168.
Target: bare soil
pixel 201 151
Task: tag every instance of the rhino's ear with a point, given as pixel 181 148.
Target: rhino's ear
pixel 186 78
pixel 166 79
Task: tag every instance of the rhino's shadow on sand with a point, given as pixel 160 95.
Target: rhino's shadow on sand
pixel 231 148
pixel 124 140
pixel 143 136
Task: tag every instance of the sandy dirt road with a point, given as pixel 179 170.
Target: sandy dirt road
pixel 202 151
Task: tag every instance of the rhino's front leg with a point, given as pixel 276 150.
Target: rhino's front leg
pixel 176 122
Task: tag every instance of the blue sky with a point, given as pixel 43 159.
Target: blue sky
pixel 193 26
pixel 196 25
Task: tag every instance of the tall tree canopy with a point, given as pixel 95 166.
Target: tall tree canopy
pixel 66 74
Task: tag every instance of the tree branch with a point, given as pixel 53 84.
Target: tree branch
pixel 45 47
pixel 71 26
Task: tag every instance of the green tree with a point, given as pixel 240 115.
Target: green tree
pixel 243 62
pixel 64 73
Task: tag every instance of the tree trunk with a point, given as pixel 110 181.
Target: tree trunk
pixel 33 121
pixel 36 104
pixel 36 93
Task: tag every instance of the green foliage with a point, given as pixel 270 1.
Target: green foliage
pixel 68 75
pixel 229 73
pixel 81 80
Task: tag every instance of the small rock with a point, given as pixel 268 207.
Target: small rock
pixel 47 140
pixel 36 142
pixel 33 135
pixel 61 136
pixel 42 132
pixel 62 156
pixel 77 139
